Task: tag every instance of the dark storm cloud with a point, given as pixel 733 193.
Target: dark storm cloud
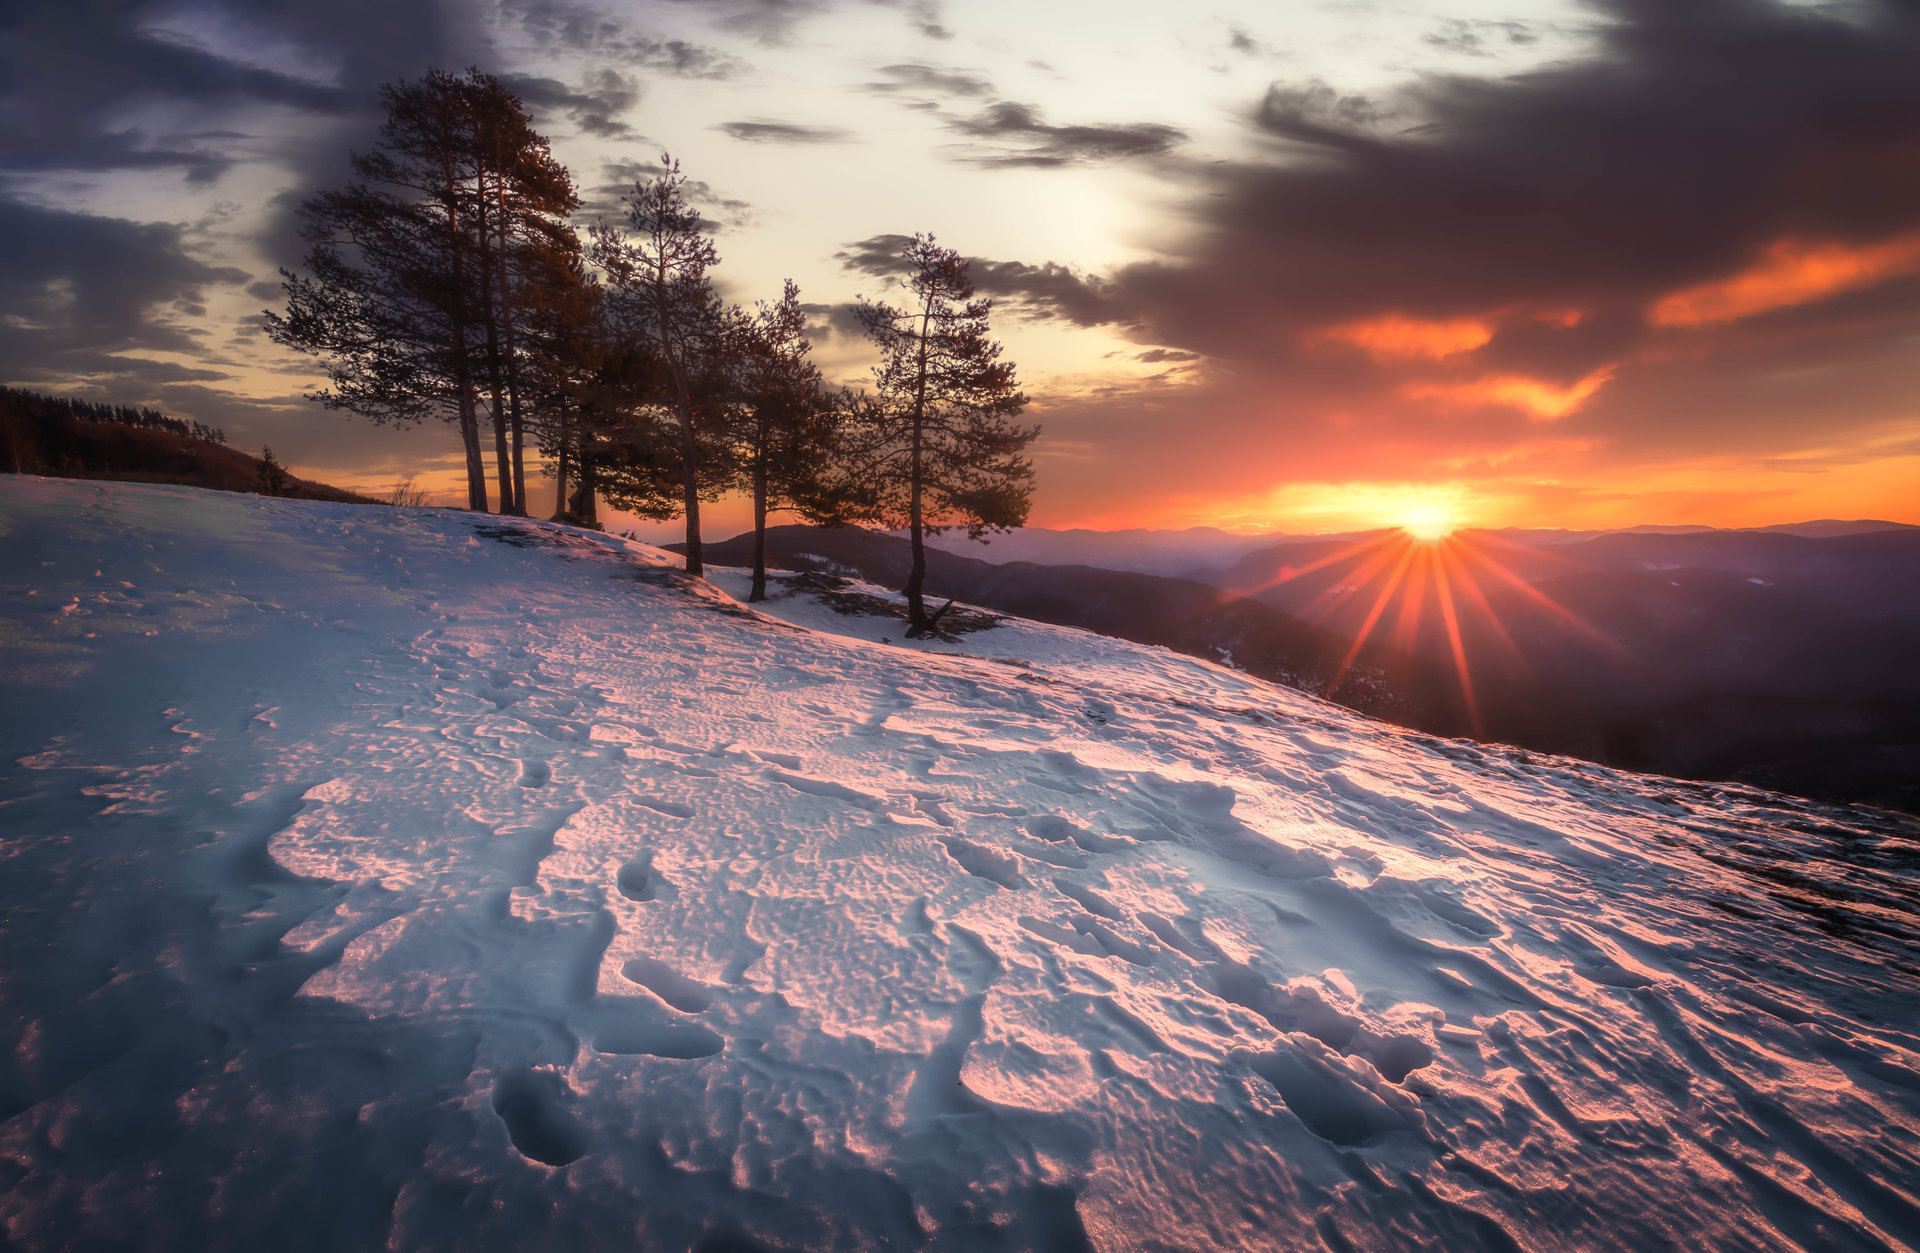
pixel 764 132
pixel 70 72
pixel 1694 136
pixel 81 291
pixel 1035 143
pixel 1556 207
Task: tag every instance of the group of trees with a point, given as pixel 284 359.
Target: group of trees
pixel 447 283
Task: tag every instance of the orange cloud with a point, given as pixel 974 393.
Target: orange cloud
pixel 1397 338
pixel 1789 272
pixel 1562 318
pixel 1539 400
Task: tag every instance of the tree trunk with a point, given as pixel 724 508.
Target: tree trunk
pixel 462 372
pixel 503 457
pixel 508 329
pixel 519 473
pixel 916 527
pixel 916 519
pixel 560 469
pixel 690 492
pixel 470 440
pixel 490 312
pixel 690 478
pixel 584 508
pixel 759 591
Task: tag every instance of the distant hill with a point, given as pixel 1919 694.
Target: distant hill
pixel 1827 528
pixel 1197 552
pixel 64 437
pixel 1139 550
pixel 1760 655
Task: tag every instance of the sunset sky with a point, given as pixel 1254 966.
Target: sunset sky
pixel 1267 267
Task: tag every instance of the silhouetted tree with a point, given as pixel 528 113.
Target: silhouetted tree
pixel 788 427
pixel 420 272
pixel 524 197
pixel 941 446
pixel 662 296
pixel 273 475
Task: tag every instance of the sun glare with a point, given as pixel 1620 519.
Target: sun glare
pixel 1428 522
pixel 1384 581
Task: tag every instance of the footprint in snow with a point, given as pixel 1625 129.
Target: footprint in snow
pixel 537 1119
pixel 686 995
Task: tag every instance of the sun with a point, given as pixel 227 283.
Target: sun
pixel 1428 522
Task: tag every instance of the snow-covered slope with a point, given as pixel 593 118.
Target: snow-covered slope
pixel 410 879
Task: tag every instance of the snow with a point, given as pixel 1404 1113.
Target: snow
pixel 406 878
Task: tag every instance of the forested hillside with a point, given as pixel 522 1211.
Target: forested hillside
pixel 78 439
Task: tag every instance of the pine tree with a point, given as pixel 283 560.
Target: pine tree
pixel 788 426
pixel 663 297
pixel 419 273
pixel 274 478
pixel 941 446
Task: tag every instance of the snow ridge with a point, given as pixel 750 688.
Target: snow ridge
pixel 406 878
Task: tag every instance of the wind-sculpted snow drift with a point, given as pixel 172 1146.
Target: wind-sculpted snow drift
pixel 411 879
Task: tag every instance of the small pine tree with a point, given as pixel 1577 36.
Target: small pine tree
pixel 274 478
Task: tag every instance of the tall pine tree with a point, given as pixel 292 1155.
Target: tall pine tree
pixel 420 272
pixel 942 448
pixel 787 426
pixel 661 292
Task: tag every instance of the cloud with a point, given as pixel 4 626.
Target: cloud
pixel 766 21
pixel 604 199
pixel 1035 292
pixel 833 321
pixel 924 16
pixel 595 106
pixel 876 255
pixel 81 292
pixel 1394 337
pixel 1588 243
pixel 1244 43
pixel 764 132
pixel 1471 37
pixel 920 78
pixel 77 73
pixel 1789 272
pixel 1042 145
pixel 1538 399
pixel 568 26
pixel 1577 196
